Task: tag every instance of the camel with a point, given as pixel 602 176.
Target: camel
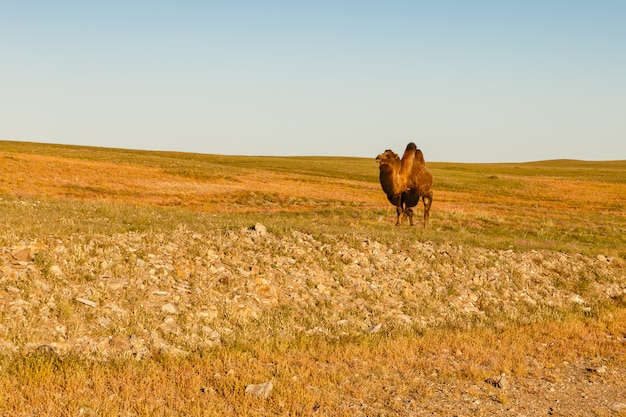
pixel 405 181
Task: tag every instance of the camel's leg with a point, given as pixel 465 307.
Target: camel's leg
pixel 409 213
pixel 428 200
pixel 399 218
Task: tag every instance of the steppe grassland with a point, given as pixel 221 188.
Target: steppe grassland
pixel 51 193
pixel 571 206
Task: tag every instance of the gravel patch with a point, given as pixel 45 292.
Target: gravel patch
pixel 138 294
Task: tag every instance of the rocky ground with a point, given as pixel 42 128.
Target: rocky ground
pixel 134 295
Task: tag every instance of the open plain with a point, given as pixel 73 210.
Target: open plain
pixel 138 283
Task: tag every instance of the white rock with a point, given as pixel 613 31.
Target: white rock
pixel 213 338
pixel 87 302
pixel 173 351
pixel 260 229
pixel 502 382
pixel 56 271
pixel 260 390
pixel 170 308
pixel 117 284
pixel 375 329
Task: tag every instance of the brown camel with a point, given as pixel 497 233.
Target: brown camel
pixel 405 181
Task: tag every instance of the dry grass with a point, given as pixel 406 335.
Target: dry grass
pixel 397 374
pixel 50 192
pixel 562 205
pixel 87 180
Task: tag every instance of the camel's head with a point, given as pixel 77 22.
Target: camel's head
pixel 387 157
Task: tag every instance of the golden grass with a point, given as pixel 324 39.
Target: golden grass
pixel 556 205
pixel 25 175
pixel 561 205
pixel 381 372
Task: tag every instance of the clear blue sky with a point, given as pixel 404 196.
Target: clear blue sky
pixel 469 81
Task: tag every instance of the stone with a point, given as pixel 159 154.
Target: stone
pixel 170 326
pixel 173 351
pixel 60 348
pixel 135 342
pixel 104 321
pixel 375 329
pixel 87 302
pixel 260 390
pixel 22 255
pixel 138 348
pixel 499 381
pixel 212 337
pixel 7 346
pixel 55 270
pixel 260 229
pixel 619 407
pixel 12 289
pixel 116 284
pixel 502 382
pixel 599 369
pixel 170 308
pixel 37 247
pixel 577 299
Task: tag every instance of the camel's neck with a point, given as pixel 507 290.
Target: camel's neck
pixel 389 180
